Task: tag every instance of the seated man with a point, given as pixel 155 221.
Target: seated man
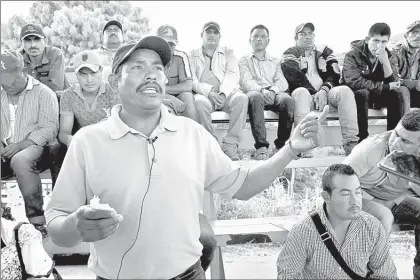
pixel 359 237
pixel 85 103
pixel 215 84
pixel 29 121
pixel 386 196
pixel 178 73
pixel 313 75
pixel 407 60
pixel 367 70
pixel 265 85
pixel 44 63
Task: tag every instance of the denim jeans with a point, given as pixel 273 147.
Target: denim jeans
pixel 408 212
pixel 236 106
pixel 396 101
pixel 189 101
pixel 340 98
pixel 25 166
pixel 283 105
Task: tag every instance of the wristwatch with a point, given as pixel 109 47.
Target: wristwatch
pixel 291 151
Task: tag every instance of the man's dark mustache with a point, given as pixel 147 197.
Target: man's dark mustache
pixel 33 49
pixel 148 83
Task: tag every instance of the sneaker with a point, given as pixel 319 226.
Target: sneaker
pixel 348 147
pixel 42 228
pixel 232 154
pixel 261 154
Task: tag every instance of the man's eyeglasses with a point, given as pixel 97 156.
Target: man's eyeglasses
pixel 109 31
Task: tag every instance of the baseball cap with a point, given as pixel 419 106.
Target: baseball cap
pixel 211 24
pixel 11 61
pixel 31 29
pixel 112 22
pixel 89 59
pixel 154 43
pixel 413 25
pixel 168 33
pixel 300 27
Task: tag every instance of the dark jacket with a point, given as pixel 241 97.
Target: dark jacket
pixel 404 60
pixel 360 73
pixel 295 66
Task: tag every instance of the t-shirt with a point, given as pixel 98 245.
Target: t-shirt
pixel 179 69
pixel 72 102
pixel 364 160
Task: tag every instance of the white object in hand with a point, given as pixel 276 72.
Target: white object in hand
pixel 95 204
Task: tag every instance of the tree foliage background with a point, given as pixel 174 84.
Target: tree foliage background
pixel 74 26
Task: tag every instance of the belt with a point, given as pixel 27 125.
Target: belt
pixel 181 276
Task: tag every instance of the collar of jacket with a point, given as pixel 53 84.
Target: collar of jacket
pixel 199 52
pixel 266 56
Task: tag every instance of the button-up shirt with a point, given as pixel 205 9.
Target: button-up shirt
pixel 36 115
pixel 157 186
pixel 257 74
pixel 365 248
pixel 50 71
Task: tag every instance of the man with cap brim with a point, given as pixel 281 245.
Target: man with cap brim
pixel 151 168
pixel 178 72
pixel 216 86
pixel 313 75
pixel 371 73
pixel 44 63
pixel 85 103
pixel 29 122
pixel 407 57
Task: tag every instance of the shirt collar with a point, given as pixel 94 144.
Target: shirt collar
pixel 106 49
pixel 78 90
pixel 117 128
pixel 266 56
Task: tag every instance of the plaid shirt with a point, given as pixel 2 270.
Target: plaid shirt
pixel 365 248
pixel 36 115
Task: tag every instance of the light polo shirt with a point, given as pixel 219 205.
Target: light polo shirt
pixel 113 161
pixel 312 74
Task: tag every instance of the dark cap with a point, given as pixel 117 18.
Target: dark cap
pixel 154 43
pixel 31 29
pixel 300 27
pixel 113 22
pixel 168 33
pixel 413 25
pixel 211 24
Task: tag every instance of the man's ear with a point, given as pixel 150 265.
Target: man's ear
pixel 326 196
pixel 367 38
pixel 113 81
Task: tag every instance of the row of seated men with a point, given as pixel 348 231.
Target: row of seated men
pixel 208 79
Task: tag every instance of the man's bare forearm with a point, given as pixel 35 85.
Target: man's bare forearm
pixel 261 176
pixel 185 86
pixel 63 231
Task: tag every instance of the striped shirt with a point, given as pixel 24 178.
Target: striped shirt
pixel 36 115
pixel 179 69
pixel 365 248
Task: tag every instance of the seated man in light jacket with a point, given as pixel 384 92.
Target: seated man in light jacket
pixel 215 84
pixel 263 81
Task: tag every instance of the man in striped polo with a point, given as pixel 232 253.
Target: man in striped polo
pixel 178 73
pixel 29 121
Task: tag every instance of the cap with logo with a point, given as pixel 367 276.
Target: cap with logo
pixel 413 25
pixel 112 22
pixel 300 27
pixel 89 59
pixel 211 24
pixel 31 30
pixel 168 33
pixel 154 43
pixel 11 61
